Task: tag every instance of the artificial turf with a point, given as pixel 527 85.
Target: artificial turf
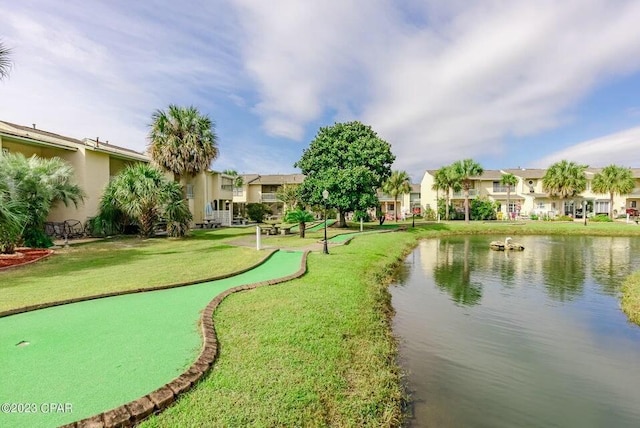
pixel 99 354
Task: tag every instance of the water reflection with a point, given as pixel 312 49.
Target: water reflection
pixel 452 272
pixel 533 338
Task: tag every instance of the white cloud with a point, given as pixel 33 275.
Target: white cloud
pixel 621 148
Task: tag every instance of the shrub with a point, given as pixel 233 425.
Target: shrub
pixel 563 218
pixel 36 238
pixel 601 218
pixel 482 209
pixel 533 216
pixel 257 212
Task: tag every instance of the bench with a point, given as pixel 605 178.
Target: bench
pixel 286 230
pixel 270 230
pixel 208 224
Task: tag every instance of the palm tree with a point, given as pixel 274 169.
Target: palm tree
pixel 5 61
pixel 564 179
pixel 446 181
pixel 613 179
pixel 464 171
pixel 182 141
pixel 32 186
pixel 238 181
pixel 397 184
pixel 299 216
pixel 509 180
pixel 143 194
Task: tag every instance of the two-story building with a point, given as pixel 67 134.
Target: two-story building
pixel 264 189
pixel 95 162
pixel 528 197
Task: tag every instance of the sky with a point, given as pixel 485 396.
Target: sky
pixel 508 83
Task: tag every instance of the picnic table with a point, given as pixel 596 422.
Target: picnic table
pixel 208 224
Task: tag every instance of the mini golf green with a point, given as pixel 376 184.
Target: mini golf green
pixel 96 355
pixel 320 226
pixel 340 239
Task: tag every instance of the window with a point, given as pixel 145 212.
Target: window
pixel 190 194
pixel 227 184
pixel 238 191
pixel 540 206
pixel 633 204
pixel 602 207
pixel 499 188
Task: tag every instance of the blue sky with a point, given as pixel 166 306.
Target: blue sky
pixel 508 83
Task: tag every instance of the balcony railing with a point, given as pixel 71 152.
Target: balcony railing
pixel 472 193
pixel 270 197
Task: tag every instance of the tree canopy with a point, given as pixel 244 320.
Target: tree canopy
pixel 29 188
pixel 397 184
pixel 351 162
pixel 142 194
pixel 463 171
pixel 5 61
pixel 182 141
pixel 564 179
pixel 611 180
pixel 510 181
pixel 445 180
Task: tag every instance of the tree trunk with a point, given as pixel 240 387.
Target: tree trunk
pixel 343 219
pixel 302 226
pixel 508 202
pixel 446 205
pixel 395 209
pixel 611 205
pixel 466 204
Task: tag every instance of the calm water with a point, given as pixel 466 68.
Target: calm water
pixel 519 339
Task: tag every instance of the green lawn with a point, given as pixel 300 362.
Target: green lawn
pixel 124 264
pixel 315 351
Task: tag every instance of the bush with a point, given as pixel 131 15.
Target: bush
pixel 533 216
pixel 563 218
pixel 257 212
pixel 601 218
pixel 429 214
pixel 482 209
pixel 36 238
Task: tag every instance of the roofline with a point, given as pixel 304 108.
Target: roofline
pixel 33 141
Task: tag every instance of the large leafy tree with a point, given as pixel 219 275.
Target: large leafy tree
pixel 141 194
pixel 350 161
pixel 510 181
pixel 182 141
pixel 564 179
pixel 446 181
pixel 613 179
pixel 5 61
pixel 29 188
pixel 464 171
pixel 397 184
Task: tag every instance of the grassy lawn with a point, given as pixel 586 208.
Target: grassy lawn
pixel 124 264
pixel 316 351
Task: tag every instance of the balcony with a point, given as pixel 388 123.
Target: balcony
pixel 460 195
pixel 270 197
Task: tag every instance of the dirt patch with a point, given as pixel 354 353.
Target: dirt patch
pixel 22 256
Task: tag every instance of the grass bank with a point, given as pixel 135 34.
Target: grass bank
pixel 631 297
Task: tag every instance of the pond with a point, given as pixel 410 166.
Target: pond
pixel 528 339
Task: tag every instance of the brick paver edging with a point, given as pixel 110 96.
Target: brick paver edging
pixel 132 291
pixel 132 413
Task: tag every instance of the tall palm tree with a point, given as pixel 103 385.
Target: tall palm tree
pixel 445 179
pixel 464 171
pixel 238 181
pixel 509 180
pixel 397 184
pixel 564 179
pixel 143 194
pixel 182 141
pixel 613 179
pixel 5 61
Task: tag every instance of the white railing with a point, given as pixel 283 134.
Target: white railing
pixel 222 217
pixel 270 197
pixel 460 194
